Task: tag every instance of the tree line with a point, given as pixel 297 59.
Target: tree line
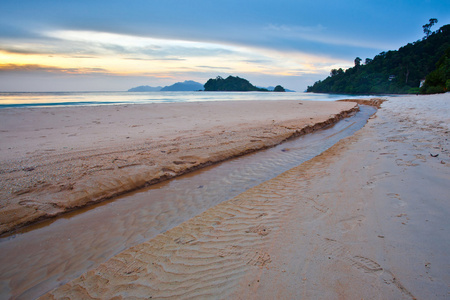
pixel 397 72
pixel 235 84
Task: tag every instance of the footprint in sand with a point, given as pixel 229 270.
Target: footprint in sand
pixel 365 264
pixel 338 250
pixel 374 179
pixel 319 207
pixel 408 163
pixel 398 200
pixel 349 224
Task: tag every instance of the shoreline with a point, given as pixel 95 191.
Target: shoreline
pixel 34 185
pixel 367 217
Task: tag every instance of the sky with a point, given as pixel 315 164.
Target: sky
pixel 95 45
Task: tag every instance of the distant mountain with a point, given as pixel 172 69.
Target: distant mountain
pixel 185 86
pixel 145 88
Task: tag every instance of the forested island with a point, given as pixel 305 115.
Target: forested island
pixel 230 84
pixel 235 84
pixel 397 72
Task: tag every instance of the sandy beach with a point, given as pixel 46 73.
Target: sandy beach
pixel 56 160
pixel 366 219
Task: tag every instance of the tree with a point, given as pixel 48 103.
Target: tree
pixel 231 83
pixel 426 27
pixel 333 72
pixel 438 80
pixel 406 67
pixel 279 88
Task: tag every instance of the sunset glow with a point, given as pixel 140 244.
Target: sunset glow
pixel 81 43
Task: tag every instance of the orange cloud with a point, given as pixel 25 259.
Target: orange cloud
pixel 48 69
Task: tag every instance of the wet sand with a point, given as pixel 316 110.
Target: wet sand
pixel 67 246
pixel 55 160
pixel 366 219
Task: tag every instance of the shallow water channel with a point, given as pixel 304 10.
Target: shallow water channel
pixel 51 253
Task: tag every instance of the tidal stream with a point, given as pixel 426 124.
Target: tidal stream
pixel 51 253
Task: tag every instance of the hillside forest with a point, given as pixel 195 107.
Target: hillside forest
pixel 419 67
pixel 235 84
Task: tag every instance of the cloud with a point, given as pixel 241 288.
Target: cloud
pixel 187 54
pixel 116 44
pixel 256 61
pixel 155 59
pixel 19 50
pixel 75 52
pixel 49 69
pixel 296 29
pixel 319 34
pixel 213 68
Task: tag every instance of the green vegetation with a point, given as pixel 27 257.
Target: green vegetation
pixel 235 84
pixel 231 84
pixel 279 88
pixel 397 72
pixel 438 81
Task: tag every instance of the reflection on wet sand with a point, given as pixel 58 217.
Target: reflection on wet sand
pixel 366 218
pixel 65 248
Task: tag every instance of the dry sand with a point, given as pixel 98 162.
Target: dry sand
pixel 366 219
pixel 58 159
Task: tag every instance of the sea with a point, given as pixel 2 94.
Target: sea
pixel 41 99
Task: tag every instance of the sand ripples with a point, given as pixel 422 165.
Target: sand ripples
pixel 70 246
pixel 232 238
